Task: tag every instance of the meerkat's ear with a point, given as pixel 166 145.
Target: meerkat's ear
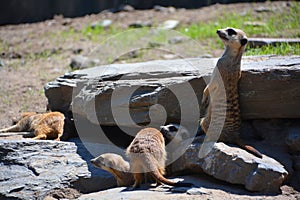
pixel 244 41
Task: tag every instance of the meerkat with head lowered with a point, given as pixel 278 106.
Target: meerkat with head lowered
pixel 116 165
pixel 228 70
pixel 147 154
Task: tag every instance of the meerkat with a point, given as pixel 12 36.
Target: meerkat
pixel 117 166
pixel 43 125
pixel 175 133
pixel 147 154
pixel 229 68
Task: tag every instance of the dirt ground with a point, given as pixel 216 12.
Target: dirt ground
pixel 33 54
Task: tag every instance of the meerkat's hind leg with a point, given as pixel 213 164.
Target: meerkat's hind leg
pixel 40 137
pixel 14 128
pixel 138 178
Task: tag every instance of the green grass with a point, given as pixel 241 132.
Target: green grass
pixel 274 24
pixel 98 33
pixel 280 49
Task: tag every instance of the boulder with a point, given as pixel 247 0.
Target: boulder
pixel 233 165
pixel 33 168
pixel 269 88
pixel 30 168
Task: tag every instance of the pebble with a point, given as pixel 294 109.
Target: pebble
pixel 104 23
pixel 196 191
pixel 140 24
pixel 169 24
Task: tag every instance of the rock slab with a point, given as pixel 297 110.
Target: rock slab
pixel 30 169
pixel 233 165
pixel 269 88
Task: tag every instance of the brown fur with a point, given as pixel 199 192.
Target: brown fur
pixel 116 165
pixel 44 126
pixel 147 154
pixel 228 70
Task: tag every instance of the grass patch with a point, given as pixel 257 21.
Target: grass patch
pixel 271 24
pixel 279 49
pixel 98 33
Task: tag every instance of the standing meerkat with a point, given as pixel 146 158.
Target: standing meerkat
pixel 228 70
pixel 147 154
pixel 44 125
pixel 117 166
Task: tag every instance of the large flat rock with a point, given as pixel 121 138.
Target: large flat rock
pixel 30 169
pixel 269 88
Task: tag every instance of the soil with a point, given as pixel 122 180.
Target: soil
pixel 33 54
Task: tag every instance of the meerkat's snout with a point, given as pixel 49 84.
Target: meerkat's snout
pixel 222 34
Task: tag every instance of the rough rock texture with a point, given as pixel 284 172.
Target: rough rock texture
pixel 258 42
pixel 269 88
pixel 234 165
pixel 293 140
pixel 32 168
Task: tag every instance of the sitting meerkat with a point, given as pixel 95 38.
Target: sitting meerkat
pixel 116 165
pixel 228 70
pixel 44 125
pixel 147 154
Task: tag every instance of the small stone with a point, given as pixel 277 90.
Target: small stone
pixel 104 24
pixel 169 56
pixel 169 24
pixel 140 24
pixel 171 9
pixel 255 23
pixel 154 44
pixel 66 22
pixel 160 8
pixel 197 191
pixel 176 40
pixel 2 64
pixel 77 51
pixel 81 62
pixel 180 189
pixel 126 8
pixel 263 9
pixel 206 56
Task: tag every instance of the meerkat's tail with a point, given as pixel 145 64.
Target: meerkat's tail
pixel 249 148
pixel 161 179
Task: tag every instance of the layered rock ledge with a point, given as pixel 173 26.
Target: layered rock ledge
pixel 269 88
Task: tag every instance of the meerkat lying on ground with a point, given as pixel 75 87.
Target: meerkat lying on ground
pixel 116 165
pixel 147 154
pixel 44 126
pixel 229 68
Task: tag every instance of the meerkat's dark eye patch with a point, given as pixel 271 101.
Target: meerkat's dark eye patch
pixel 173 129
pixel 244 41
pixel 231 32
